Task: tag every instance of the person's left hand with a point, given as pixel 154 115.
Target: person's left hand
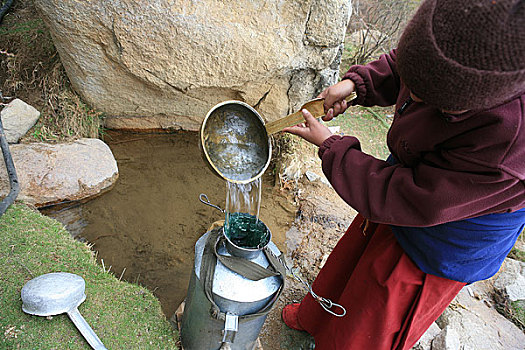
pixel 312 130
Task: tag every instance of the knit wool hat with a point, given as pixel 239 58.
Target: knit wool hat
pixel 464 54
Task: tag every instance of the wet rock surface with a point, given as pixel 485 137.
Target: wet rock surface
pixel 51 174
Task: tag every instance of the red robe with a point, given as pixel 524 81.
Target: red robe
pixel 389 301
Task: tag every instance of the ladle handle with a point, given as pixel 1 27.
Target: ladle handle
pixel 314 106
pixel 85 330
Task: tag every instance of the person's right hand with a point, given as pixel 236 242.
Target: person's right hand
pixel 334 98
pixel 312 130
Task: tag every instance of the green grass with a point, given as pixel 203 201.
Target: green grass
pixel 514 311
pixel 26 30
pixel 517 254
pixel 518 313
pixel 369 125
pixel 123 315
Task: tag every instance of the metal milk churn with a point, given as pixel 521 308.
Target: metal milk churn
pixel 230 293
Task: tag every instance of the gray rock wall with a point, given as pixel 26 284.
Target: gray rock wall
pixel 164 64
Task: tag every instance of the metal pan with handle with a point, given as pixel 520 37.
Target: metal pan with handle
pixel 234 139
pixel 57 293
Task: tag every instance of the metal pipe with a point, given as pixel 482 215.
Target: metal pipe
pixel 4 8
pixel 11 172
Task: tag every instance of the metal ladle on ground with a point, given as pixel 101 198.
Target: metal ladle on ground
pixel 57 293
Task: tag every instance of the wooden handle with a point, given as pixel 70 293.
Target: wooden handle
pixel 280 124
pixel 314 106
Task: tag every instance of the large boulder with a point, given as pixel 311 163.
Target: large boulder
pixel 54 174
pixel 164 64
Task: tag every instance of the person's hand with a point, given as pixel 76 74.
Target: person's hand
pixel 334 98
pixel 312 130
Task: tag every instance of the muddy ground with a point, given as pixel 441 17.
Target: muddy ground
pixel 145 228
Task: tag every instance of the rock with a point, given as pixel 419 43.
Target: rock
pixel 322 210
pixel 425 342
pixel 293 171
pixel 447 339
pixel 17 118
pixel 478 326
pixel 166 64
pixel 311 176
pixel 511 279
pixel 294 237
pixel 324 258
pixel 51 174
